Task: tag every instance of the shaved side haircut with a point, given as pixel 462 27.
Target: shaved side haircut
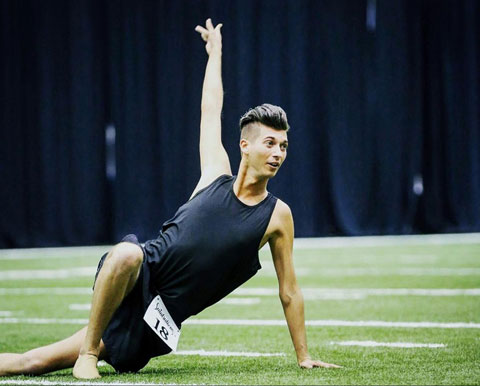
pixel 266 114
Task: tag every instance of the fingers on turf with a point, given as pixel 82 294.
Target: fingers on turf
pixel 325 365
pixel 330 365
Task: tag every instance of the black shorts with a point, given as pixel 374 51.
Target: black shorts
pixel 129 341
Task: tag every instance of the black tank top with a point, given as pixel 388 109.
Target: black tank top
pixel 208 249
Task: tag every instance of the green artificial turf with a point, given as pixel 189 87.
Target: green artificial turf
pixel 397 266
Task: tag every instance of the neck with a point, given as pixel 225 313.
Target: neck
pixel 248 187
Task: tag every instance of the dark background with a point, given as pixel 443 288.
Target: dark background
pixel 383 98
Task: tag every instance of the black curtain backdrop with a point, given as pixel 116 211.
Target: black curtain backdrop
pixel 383 99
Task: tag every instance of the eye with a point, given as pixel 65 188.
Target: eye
pixel 269 143
pixel 284 146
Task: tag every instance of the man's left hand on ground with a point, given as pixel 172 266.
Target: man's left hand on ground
pixel 310 363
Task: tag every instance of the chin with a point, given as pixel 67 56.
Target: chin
pixel 272 174
pixel 267 173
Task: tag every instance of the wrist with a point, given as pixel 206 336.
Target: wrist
pixel 217 51
pixel 303 356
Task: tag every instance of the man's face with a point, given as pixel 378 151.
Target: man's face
pixel 267 151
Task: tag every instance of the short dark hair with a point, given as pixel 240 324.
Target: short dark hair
pixel 267 114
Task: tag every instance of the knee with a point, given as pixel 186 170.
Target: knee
pixel 126 257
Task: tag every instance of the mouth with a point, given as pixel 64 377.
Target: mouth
pixel 274 165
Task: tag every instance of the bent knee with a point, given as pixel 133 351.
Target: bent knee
pixel 126 256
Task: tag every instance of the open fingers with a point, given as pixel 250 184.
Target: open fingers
pixel 205 32
pixel 201 30
pixel 209 27
pixel 326 365
pixel 308 364
pixel 209 24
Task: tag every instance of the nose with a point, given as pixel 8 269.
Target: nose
pixel 277 152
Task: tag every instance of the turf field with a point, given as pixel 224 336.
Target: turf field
pixel 395 310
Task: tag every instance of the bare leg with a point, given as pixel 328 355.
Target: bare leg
pixel 56 356
pixel 115 280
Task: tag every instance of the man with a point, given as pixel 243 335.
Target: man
pixel 209 248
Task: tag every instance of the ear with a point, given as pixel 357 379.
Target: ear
pixel 244 146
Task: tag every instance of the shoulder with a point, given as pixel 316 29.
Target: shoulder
pixel 281 230
pixel 282 210
pixel 282 218
pixel 210 181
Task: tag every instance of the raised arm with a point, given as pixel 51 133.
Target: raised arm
pixel 281 246
pixel 213 157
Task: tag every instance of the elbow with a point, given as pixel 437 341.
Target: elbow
pixel 287 297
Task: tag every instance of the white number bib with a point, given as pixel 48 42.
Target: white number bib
pixel 160 321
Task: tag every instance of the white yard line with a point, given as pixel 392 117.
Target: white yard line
pixel 42 321
pixel 356 293
pixel 80 307
pixel 371 343
pixel 300 243
pixel 66 273
pixel 269 270
pixel 47 291
pixel 39 382
pixel 261 322
pixel 415 291
pixel 52 253
pixel 374 241
pixel 63 273
pixel 397 272
pixel 228 353
pixel 309 293
pixel 361 293
pixel 332 323
pixel 237 301
pixel 6 313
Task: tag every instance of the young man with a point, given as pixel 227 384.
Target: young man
pixel 209 248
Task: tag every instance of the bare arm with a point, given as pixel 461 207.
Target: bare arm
pixel 213 157
pixel 281 246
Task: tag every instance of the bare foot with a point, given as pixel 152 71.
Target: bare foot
pixel 86 367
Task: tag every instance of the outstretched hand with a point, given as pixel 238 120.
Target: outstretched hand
pixel 212 36
pixel 310 364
